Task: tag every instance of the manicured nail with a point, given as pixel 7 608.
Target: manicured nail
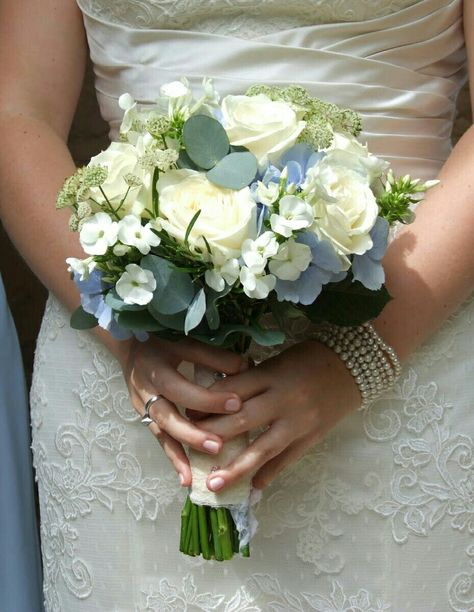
pixel 181 479
pixel 232 405
pixel 211 445
pixel 216 483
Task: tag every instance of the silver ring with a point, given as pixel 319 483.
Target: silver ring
pixel 219 375
pixel 146 418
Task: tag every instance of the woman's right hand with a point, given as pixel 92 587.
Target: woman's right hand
pixel 151 368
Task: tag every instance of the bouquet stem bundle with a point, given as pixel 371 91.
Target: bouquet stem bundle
pixel 210 532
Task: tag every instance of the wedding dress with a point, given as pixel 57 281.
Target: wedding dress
pixel 380 515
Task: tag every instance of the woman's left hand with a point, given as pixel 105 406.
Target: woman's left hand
pixel 298 396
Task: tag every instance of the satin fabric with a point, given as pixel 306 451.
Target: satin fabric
pixel 20 567
pixel 402 83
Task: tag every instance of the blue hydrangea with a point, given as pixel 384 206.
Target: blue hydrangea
pixel 326 267
pixel 367 268
pixel 93 302
pixel 298 160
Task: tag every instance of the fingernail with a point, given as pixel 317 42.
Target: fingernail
pixel 181 479
pixel 232 405
pixel 211 445
pixel 216 483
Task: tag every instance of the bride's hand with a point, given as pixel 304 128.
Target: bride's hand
pixel 298 396
pixel 151 368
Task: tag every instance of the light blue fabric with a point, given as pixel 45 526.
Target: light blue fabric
pixel 20 572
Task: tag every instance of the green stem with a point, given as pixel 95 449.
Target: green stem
pixel 195 549
pixel 154 193
pixel 184 524
pixel 245 552
pixel 223 516
pixel 215 535
pixel 203 532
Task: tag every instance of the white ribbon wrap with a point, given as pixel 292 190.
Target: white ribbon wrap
pixel 202 464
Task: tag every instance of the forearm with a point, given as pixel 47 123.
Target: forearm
pixel 430 266
pixel 34 161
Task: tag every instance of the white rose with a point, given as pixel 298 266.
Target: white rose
pixel 227 218
pixel 267 128
pixel 357 156
pixel 349 211
pixel 122 159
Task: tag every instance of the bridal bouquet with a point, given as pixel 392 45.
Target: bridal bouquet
pixel 209 217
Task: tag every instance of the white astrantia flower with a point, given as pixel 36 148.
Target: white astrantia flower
pixel 98 233
pixel 136 285
pixel 133 233
pixel 83 267
pixel 256 253
pixel 256 285
pixel 292 259
pixel 267 194
pixel 294 214
pixel 224 271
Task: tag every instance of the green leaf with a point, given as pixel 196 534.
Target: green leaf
pixel 205 140
pixel 170 322
pixel 80 319
pixel 347 303
pixel 212 312
pixel 263 337
pixel 174 290
pixel 235 171
pixel 196 312
pixel 190 227
pixel 138 321
pixel 185 162
pixel 113 300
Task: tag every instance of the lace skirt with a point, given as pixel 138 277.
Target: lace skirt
pixel 379 516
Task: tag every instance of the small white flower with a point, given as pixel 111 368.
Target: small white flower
pixel 256 253
pixel 292 259
pixel 136 285
pixel 133 233
pixel 83 267
pixel 267 194
pixel 98 233
pixel 256 285
pixel 295 214
pixel 224 271
pixel 121 249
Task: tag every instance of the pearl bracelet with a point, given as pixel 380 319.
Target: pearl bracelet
pixel 373 363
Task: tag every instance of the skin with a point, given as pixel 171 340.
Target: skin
pixel 298 396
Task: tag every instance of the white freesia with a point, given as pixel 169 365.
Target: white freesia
pixel 292 259
pixel 133 233
pixel 344 206
pixel 82 267
pixel 294 214
pixel 256 285
pixel 136 285
pixel 267 194
pixel 98 233
pixel 227 217
pixel 256 253
pixel 122 159
pixel 357 156
pixel 267 128
pixel 223 271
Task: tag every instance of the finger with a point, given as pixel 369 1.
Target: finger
pixel 182 392
pixel 257 412
pixel 270 470
pixel 213 357
pixel 175 453
pixel 263 449
pixel 246 384
pixel 169 420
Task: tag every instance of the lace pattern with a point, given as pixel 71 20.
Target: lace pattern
pixel 241 18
